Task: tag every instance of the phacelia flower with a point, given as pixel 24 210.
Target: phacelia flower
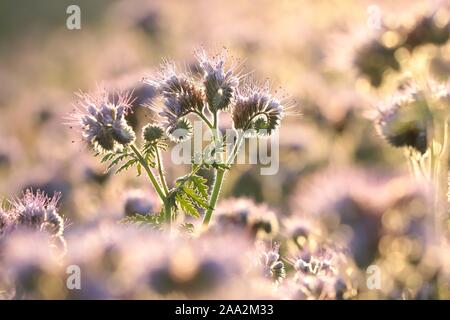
pixel 39 212
pixel 405 121
pixel 103 121
pixel 138 202
pixel 180 130
pixel 220 84
pixel 180 96
pixel 255 109
pixel 273 267
pixel 237 214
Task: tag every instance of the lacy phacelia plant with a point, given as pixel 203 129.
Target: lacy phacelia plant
pixel 219 88
pixel 34 211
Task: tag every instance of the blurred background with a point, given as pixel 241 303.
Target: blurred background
pixel 308 48
pixel 291 42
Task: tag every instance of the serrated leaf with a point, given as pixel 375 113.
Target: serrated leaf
pixel 187 227
pixel 152 220
pixel 195 197
pixel 187 206
pixel 126 165
pixel 116 161
pixel 200 185
pixel 107 157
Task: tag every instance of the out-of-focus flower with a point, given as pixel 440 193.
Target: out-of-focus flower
pixel 220 84
pixel 343 198
pixel 31 265
pixel 243 214
pixel 102 120
pixel 39 212
pixel 406 119
pixel 270 262
pixel 138 202
pixel 34 211
pixel 320 274
pixel 373 59
pixel 428 29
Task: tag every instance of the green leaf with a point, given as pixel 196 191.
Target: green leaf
pixel 187 206
pixel 151 220
pixel 200 185
pixel 126 165
pixel 107 157
pixel 195 197
pixel 187 228
pixel 116 161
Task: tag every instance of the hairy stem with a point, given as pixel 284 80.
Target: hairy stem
pixel 204 118
pixel 220 173
pixel 168 216
pixel 161 171
pixel 149 172
pixel 144 164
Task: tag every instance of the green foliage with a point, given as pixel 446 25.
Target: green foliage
pixel 153 221
pixel 190 194
pixel 124 159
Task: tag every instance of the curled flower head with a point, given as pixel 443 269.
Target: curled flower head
pixel 180 96
pixel 405 121
pixel 103 120
pixel 256 109
pixel 220 84
pixel 180 130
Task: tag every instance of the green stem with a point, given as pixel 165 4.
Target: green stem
pixel 220 173
pixel 204 118
pixel 167 209
pixel 149 172
pixel 236 147
pixel 168 216
pixel 215 120
pixel 161 172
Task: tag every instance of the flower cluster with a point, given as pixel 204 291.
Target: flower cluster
pixel 220 89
